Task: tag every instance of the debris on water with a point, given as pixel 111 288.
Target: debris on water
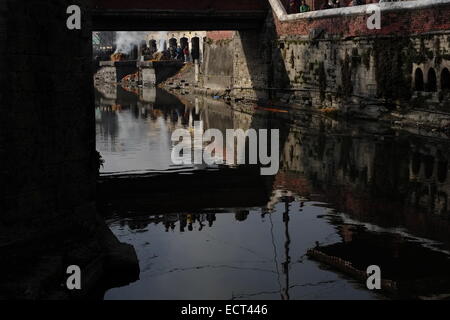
pixel 271 109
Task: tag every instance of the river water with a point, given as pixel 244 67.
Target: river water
pixel 365 193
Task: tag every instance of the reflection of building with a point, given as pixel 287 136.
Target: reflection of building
pixel 388 179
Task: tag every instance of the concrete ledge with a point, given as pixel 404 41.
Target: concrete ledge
pixel 282 15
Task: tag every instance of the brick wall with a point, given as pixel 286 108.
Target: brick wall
pixel 220 35
pixel 393 23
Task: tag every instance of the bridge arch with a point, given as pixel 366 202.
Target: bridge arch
pixel 429 166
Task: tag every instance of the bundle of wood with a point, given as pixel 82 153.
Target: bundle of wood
pixel 118 57
pixel 161 56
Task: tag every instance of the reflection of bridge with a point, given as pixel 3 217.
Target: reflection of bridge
pixel 171 15
pixel 184 191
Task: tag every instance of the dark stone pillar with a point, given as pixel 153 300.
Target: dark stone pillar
pixel 47 146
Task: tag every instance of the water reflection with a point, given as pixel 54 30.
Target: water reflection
pixel 364 193
pixel 134 131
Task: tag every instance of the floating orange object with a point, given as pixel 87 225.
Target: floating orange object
pixel 271 109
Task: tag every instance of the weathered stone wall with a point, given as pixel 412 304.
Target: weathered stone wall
pixel 400 181
pixel 236 61
pixel 399 18
pixel 330 58
pixel 217 68
pixel 332 72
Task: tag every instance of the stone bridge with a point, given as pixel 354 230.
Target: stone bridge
pixel 150 73
pixel 147 15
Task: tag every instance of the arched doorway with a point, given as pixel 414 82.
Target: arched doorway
pixel 195 51
pixel 445 80
pixel 173 43
pixel 416 163
pixel 418 80
pixel 431 81
pixel 429 166
pixel 134 53
pixel 442 170
pixel 184 42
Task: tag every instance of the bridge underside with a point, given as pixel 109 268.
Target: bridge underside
pixel 170 20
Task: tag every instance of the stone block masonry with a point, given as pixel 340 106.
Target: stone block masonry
pixel 330 59
pixel 397 19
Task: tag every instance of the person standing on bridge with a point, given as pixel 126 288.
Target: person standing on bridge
pixel 186 54
pixel 336 4
pixel 293 6
pixel 358 2
pixel 179 54
pixel 304 7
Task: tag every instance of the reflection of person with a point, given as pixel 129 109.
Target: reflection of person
pixel 211 217
pixel 241 215
pixel 190 221
pixel 183 222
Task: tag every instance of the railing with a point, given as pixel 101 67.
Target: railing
pixel 279 8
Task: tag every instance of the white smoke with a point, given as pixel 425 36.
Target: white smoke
pixel 161 41
pixel 126 40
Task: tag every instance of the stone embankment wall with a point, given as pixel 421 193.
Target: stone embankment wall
pixel 330 59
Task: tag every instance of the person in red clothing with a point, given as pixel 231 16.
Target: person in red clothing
pixel 186 54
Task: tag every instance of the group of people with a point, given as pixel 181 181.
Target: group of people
pixel 179 53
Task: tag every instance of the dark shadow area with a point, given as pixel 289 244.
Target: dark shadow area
pixel 431 81
pixel 445 80
pixel 418 80
pixel 408 269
